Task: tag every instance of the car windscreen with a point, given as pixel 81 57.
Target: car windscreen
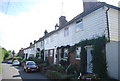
pixel 31 63
pixel 16 62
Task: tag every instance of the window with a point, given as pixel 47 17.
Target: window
pixel 46 53
pixel 66 53
pixel 51 39
pixel 66 32
pixel 59 54
pixel 51 52
pixel 46 41
pixel 78 50
pixel 79 25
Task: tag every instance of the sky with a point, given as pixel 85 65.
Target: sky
pixel 23 21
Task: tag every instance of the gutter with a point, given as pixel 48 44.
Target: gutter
pixel 108 25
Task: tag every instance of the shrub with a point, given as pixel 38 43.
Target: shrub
pixel 64 63
pixel 58 68
pixel 17 58
pixel 53 74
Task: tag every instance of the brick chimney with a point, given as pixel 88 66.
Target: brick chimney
pixel 30 43
pixel 88 4
pixel 62 21
pixel 45 32
pixel 34 41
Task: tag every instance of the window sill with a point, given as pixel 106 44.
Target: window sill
pixel 77 58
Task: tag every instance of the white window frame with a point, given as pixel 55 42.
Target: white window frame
pixel 65 52
pixel 79 25
pixel 46 53
pixel 66 32
pixel 78 51
pixel 51 52
pixel 51 39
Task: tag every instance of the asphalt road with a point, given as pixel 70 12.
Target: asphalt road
pixel 16 73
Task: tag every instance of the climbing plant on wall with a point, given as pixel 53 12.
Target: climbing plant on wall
pixel 99 61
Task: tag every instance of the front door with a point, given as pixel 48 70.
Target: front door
pixel 89 59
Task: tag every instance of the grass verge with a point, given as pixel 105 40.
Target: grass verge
pixel 0 60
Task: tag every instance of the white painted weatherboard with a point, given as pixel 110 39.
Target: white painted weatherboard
pixel 113 24
pixel 112 59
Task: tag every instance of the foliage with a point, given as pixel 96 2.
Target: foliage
pixel 72 70
pixel 83 60
pixel 99 61
pixel 64 63
pixel 37 55
pixel 35 59
pixel 58 68
pixel 42 54
pixel 53 74
pixel 13 52
pixel 5 53
pixel 17 58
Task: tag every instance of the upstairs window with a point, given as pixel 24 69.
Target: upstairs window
pixel 66 32
pixel 51 39
pixel 79 25
pixel 47 41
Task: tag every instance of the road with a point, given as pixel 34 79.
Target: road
pixel 16 73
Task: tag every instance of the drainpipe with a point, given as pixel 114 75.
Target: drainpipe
pixel 108 24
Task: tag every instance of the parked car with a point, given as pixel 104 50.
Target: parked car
pixel 9 61
pixel 16 63
pixel 30 66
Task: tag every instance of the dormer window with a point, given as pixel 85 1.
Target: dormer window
pixel 79 25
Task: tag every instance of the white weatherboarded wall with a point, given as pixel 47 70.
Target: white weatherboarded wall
pixel 114 28
pixel 112 55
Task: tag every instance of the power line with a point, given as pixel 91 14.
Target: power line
pixel 62 9
pixel 7 6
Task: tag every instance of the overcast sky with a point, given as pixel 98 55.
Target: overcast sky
pixel 26 21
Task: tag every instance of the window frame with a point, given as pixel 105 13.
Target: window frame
pixel 78 54
pixel 79 25
pixel 66 32
pixel 51 54
pixel 64 56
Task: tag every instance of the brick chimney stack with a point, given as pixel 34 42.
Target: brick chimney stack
pixel 45 32
pixel 62 21
pixel 88 4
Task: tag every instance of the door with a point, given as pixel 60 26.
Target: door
pixel 89 59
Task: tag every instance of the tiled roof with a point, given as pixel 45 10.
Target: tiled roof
pixel 81 15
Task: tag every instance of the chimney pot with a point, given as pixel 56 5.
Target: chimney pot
pixel 45 32
pixel 30 43
pixel 62 21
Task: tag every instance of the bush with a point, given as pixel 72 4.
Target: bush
pixel 17 58
pixel 64 63
pixel 53 74
pixel 72 70
pixel 58 68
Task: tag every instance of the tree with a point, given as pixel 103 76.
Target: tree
pixel 13 53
